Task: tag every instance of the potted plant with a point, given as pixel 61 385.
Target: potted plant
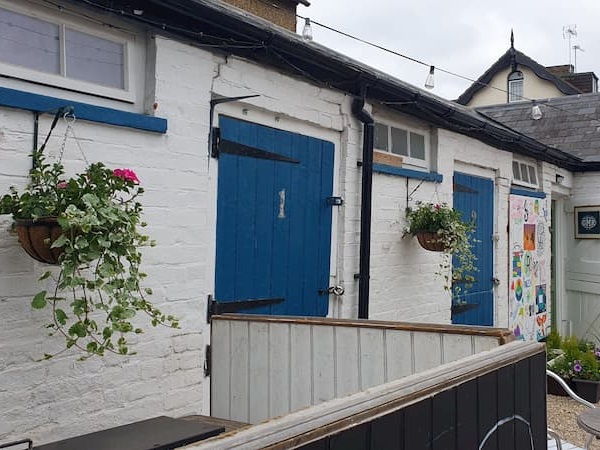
pixel 439 227
pixel 577 362
pixel 96 219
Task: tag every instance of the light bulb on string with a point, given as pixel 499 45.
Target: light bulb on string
pixel 307 30
pixel 429 81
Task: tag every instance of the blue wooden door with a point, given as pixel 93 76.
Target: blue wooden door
pixel 273 219
pixel 474 198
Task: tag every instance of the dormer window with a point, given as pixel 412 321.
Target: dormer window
pixel 515 86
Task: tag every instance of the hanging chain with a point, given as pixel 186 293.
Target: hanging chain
pixel 70 119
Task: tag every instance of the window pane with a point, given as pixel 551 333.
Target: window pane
pixel 532 176
pixel 399 141
pixel 417 146
pixel 29 42
pixel 524 173
pixel 381 137
pixel 516 171
pixel 515 90
pixel 94 59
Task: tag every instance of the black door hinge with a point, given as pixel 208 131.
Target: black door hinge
pixel 216 307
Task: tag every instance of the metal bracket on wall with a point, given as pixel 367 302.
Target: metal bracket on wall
pixel 213 103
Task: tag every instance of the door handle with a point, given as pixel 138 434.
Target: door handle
pixel 335 290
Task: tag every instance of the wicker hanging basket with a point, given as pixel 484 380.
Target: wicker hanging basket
pixel 431 241
pixel 36 237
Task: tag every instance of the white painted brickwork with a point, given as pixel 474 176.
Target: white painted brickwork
pixel 581 309
pixel 51 400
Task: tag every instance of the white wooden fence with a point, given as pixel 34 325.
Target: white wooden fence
pixel 500 373
pixel 265 366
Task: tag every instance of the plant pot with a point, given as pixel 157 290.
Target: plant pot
pixel 36 237
pixel 554 388
pixel 587 389
pixel 430 240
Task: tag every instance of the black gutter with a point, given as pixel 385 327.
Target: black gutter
pixel 365 206
pixel 288 52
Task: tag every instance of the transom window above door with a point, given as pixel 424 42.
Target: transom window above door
pixel 411 145
pixel 525 174
pixel 43 49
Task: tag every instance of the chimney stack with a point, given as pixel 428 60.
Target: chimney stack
pixel 279 12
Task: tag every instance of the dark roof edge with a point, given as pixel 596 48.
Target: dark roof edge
pixel 382 88
pixel 505 61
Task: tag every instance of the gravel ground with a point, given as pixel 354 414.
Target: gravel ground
pixel 562 418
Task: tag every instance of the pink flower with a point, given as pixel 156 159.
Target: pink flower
pixel 62 185
pixel 126 174
pixel 438 206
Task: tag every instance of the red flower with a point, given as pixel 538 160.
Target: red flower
pixel 126 174
pixel 62 185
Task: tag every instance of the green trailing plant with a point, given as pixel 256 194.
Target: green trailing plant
pixel 456 237
pixel 98 288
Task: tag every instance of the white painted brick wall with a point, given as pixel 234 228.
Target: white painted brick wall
pixel 60 398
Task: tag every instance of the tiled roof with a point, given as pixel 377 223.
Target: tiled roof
pixel 570 124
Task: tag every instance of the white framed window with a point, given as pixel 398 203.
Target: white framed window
pixel 410 144
pixel 60 51
pixel 515 86
pixel 525 174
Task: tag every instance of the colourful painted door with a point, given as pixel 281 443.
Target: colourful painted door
pixel 273 219
pixel 474 198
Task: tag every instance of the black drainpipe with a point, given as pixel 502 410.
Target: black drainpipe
pixel 365 210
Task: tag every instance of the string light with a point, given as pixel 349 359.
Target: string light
pixel 233 44
pixel 538 110
pixel 429 81
pixel 307 30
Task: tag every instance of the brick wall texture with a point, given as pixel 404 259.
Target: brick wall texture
pixel 62 397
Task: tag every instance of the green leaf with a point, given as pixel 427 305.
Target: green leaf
pixel 45 275
pixel 61 317
pixel 92 347
pixel 39 301
pixel 107 333
pixel 60 241
pixel 78 329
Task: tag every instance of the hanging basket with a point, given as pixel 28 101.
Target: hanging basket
pixel 36 237
pixel 431 241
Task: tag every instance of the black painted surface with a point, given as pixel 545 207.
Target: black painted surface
pixel 158 433
pixel 387 432
pixel 466 415
pixel 444 421
pixel 487 405
pixel 508 406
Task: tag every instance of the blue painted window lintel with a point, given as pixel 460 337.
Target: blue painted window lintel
pixel 526 193
pixel 408 173
pixel 28 101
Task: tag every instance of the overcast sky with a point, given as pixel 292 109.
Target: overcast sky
pixel 461 36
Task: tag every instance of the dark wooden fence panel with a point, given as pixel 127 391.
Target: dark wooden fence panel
pixel 487 409
pixel 506 406
pixel 498 410
pixel 444 421
pixel 466 415
pixel 387 432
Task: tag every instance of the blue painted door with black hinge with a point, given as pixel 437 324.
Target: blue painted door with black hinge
pixel 273 219
pixel 474 198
